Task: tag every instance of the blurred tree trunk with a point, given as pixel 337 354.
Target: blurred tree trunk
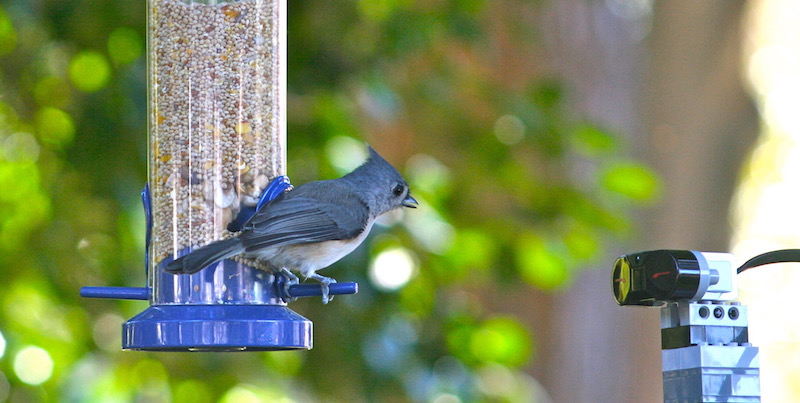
pixel 699 122
pixel 679 92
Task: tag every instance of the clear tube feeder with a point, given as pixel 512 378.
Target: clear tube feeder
pixel 217 141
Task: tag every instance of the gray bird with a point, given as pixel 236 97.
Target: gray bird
pixel 313 226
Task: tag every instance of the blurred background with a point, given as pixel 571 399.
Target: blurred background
pixel 542 138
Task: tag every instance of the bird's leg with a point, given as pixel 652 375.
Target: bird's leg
pixel 284 279
pixel 290 280
pixel 293 279
pixel 324 283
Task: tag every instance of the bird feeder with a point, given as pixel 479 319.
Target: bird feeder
pixel 217 140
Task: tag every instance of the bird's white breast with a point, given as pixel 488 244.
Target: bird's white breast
pixel 310 257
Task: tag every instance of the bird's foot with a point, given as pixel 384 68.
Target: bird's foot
pixel 284 279
pixel 293 279
pixel 324 283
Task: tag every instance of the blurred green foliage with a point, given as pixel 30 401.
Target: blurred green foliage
pixel 515 187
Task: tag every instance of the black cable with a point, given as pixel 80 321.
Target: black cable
pixel 776 256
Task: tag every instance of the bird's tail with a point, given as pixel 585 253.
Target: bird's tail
pixel 205 256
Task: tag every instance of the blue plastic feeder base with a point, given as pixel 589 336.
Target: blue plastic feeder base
pixel 217 328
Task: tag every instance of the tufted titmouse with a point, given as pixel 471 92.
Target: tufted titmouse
pixel 314 225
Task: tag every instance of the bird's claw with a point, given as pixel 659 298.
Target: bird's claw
pixel 324 283
pixel 285 279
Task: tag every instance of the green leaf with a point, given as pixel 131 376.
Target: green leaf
pixel 502 340
pixel 632 180
pixel 473 248
pixel 547 93
pixel 582 242
pixel 592 141
pixel 8 36
pixel 539 265
pixel 378 10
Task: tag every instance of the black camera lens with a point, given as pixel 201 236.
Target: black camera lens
pixel 621 283
pixel 653 277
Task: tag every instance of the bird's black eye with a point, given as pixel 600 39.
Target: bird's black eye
pixel 398 190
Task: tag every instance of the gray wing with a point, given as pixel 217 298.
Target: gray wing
pixel 302 219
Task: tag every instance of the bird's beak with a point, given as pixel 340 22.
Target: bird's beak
pixel 410 202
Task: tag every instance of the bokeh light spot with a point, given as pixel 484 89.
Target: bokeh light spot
pixel 106 331
pixel 428 174
pixel 2 345
pixel 89 71
pixel 124 45
pixel 502 340
pixel 509 129
pixel 192 391
pixel 54 127
pixel 244 393
pixel 446 398
pixel 471 249
pixel 392 269
pixel 539 265
pixel 429 228
pixel 345 153
pixel 21 147
pixel 496 380
pixel 33 365
pixel 240 394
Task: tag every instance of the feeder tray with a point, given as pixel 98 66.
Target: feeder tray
pixel 228 306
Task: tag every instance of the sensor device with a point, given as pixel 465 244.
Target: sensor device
pixel 656 277
pixel 706 354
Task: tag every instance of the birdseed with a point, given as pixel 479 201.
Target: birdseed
pixel 214 131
